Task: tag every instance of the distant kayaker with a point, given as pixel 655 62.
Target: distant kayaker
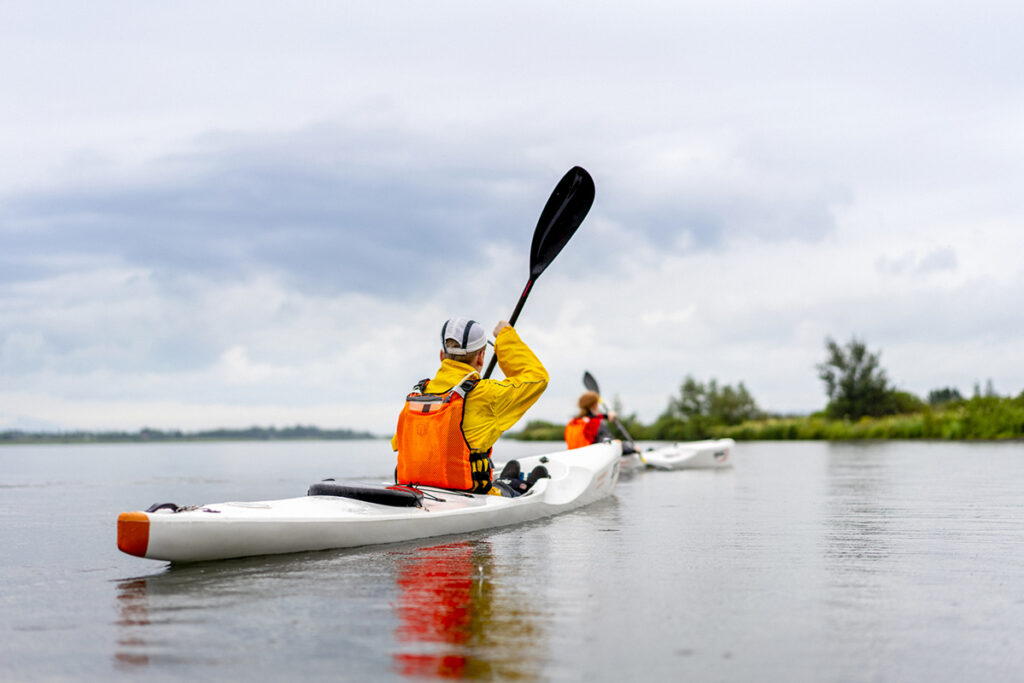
pixel 449 424
pixel 590 426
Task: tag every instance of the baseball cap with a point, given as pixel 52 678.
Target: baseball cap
pixel 469 334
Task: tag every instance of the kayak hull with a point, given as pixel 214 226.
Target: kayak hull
pixel 631 464
pixel 709 454
pixel 320 522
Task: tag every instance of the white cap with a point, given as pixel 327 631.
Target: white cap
pixel 469 334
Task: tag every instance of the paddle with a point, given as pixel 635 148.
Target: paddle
pixel 566 208
pixel 591 384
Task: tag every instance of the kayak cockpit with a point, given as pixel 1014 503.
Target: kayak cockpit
pixel 395 496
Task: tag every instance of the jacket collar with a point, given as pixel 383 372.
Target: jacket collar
pixel 451 373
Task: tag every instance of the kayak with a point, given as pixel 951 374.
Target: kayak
pixel 345 515
pixel 711 453
pixel 631 464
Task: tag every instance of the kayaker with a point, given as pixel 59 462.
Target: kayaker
pixel 449 424
pixel 590 426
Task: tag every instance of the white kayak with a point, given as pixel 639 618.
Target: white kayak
pixel 691 455
pixel 363 514
pixel 631 464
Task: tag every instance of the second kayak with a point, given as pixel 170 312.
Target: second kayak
pixel 711 453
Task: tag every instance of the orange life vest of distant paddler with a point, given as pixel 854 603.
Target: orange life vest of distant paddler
pixel 576 433
pixel 432 449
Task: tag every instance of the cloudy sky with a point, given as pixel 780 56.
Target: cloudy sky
pixel 232 213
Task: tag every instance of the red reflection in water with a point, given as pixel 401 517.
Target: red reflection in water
pixel 436 606
pixel 133 613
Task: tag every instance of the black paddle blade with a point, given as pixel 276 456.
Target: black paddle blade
pixel 566 208
pixel 562 215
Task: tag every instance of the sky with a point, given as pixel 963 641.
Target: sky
pixel 225 214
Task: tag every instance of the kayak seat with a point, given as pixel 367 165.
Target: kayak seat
pixel 391 495
pixel 173 507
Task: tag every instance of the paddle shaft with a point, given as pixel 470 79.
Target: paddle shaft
pixel 511 321
pixel 618 424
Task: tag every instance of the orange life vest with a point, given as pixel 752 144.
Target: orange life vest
pixel 575 434
pixel 432 449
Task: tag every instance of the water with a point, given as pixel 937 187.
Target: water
pixel 805 562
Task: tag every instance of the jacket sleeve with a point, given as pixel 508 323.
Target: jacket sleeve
pixel 504 402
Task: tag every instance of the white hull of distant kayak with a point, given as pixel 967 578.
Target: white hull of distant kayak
pixel 631 464
pixel 712 453
pixel 320 522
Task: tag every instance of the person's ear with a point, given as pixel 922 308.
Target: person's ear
pixel 440 355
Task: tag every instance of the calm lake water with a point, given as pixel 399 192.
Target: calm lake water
pixel 811 561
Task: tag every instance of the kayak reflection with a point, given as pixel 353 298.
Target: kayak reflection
pixel 132 617
pixel 462 609
pixel 457 618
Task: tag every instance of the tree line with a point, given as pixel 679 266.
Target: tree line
pixel 156 435
pixel 862 404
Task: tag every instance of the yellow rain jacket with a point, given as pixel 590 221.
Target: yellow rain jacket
pixel 493 406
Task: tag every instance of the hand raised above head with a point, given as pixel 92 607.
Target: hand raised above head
pixel 502 324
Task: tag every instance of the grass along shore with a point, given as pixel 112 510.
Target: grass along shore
pixel 980 418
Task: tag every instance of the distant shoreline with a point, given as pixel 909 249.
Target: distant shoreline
pixel 297 433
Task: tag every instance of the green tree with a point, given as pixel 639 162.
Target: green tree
pixel 691 402
pixel 730 406
pixel 944 395
pixel 855 382
pixel 904 403
pixel 990 390
pixel 699 406
pixel 540 430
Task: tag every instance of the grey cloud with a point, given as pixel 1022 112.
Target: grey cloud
pixel 910 263
pixel 950 317
pixel 725 214
pixel 341 222
pixel 939 259
pixel 894 265
pixel 332 209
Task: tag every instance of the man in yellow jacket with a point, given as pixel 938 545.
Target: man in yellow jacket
pixel 450 423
